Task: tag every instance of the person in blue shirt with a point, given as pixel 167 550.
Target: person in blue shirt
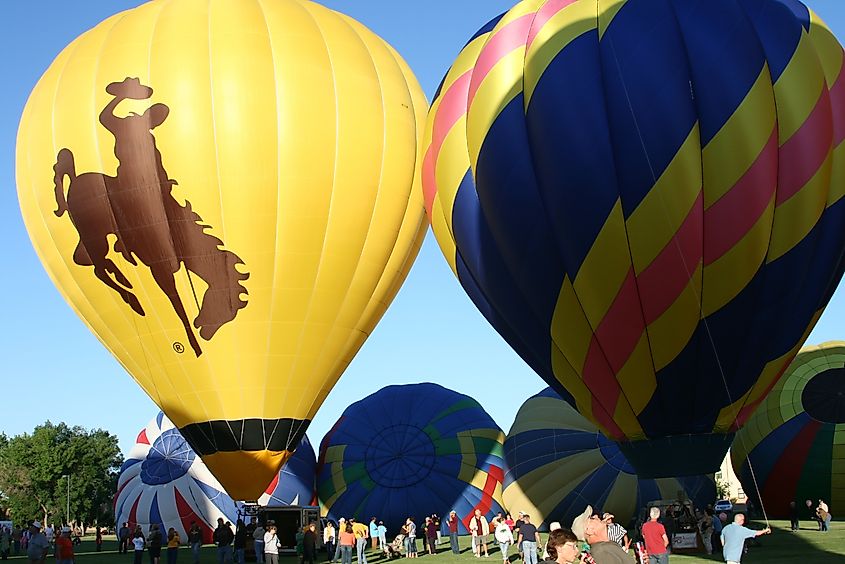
pixel 733 538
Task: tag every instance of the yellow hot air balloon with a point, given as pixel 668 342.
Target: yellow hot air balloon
pixel 225 192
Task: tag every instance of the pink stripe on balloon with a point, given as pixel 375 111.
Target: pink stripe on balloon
pixel 511 36
pixel 453 105
pixel 837 106
pixel 730 218
pixel 805 152
pixel 544 14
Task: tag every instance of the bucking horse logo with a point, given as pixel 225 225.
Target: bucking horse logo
pixel 137 207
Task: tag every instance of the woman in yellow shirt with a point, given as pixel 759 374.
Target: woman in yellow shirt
pixel 173 542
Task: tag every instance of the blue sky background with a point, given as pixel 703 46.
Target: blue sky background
pixel 54 368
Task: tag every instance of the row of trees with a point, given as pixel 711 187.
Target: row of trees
pixel 35 470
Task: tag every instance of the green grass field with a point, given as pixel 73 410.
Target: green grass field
pixel 783 546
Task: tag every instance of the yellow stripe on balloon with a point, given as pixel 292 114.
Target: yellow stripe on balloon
pixel 545 489
pixel 797 89
pixel 547 414
pixel 657 218
pixel 638 382
pixel 605 268
pixel 556 34
pixel 671 332
pixel 607 11
pixel 798 215
pixel 827 48
pixel 501 85
pixel 622 499
pixel 732 151
pixel 772 370
pixel 730 273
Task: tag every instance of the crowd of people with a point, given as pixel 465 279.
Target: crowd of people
pixel 593 538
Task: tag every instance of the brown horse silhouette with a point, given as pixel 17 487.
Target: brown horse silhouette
pixel 138 208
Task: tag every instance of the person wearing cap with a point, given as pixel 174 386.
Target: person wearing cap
pixel 64 547
pixel 656 539
pixel 38 545
pixel 616 532
pixel 453 532
pixel 590 527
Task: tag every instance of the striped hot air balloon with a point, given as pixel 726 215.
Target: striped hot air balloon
pixel 412 450
pixel 164 482
pixel 795 441
pixel 558 462
pixel 645 199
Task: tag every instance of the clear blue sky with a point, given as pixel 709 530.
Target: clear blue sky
pixel 53 367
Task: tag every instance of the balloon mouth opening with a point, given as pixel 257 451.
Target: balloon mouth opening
pixel 823 397
pixel 679 455
pixel 400 456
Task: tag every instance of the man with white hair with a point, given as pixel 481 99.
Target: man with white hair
pixel 656 541
pixel 733 538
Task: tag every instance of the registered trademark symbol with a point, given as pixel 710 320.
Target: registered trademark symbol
pixel 178 347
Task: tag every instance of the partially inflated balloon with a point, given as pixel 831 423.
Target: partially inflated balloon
pixel 224 192
pixel 645 199
pixel 558 462
pixel 412 450
pixel 164 482
pixel 793 446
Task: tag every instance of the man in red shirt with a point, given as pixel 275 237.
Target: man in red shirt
pixel 453 532
pixel 64 547
pixel 656 541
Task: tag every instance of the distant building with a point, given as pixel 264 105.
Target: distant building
pixel 726 474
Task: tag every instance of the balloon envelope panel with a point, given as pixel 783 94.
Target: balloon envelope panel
pixel 794 441
pixel 296 483
pixel 225 193
pixel 412 451
pixel 164 482
pixel 558 462
pixel 652 217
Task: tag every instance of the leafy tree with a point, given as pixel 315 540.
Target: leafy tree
pixel 34 472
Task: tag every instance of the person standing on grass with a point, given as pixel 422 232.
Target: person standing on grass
pixel 412 538
pixel 480 528
pixel 64 547
pixel 240 542
pixel 309 544
pixel 123 539
pixel 329 539
pixel 733 538
pixel 154 542
pixel 504 537
pixel 271 545
pixel 793 516
pixel 98 538
pixel 431 535
pixel 258 543
pixel 361 531
pixel 453 532
pixel 347 541
pixel 195 540
pixel 373 533
pixel 223 538
pixel 38 545
pixel 656 540
pixel 529 539
pixel 173 542
pixel 382 535
pixel 138 544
